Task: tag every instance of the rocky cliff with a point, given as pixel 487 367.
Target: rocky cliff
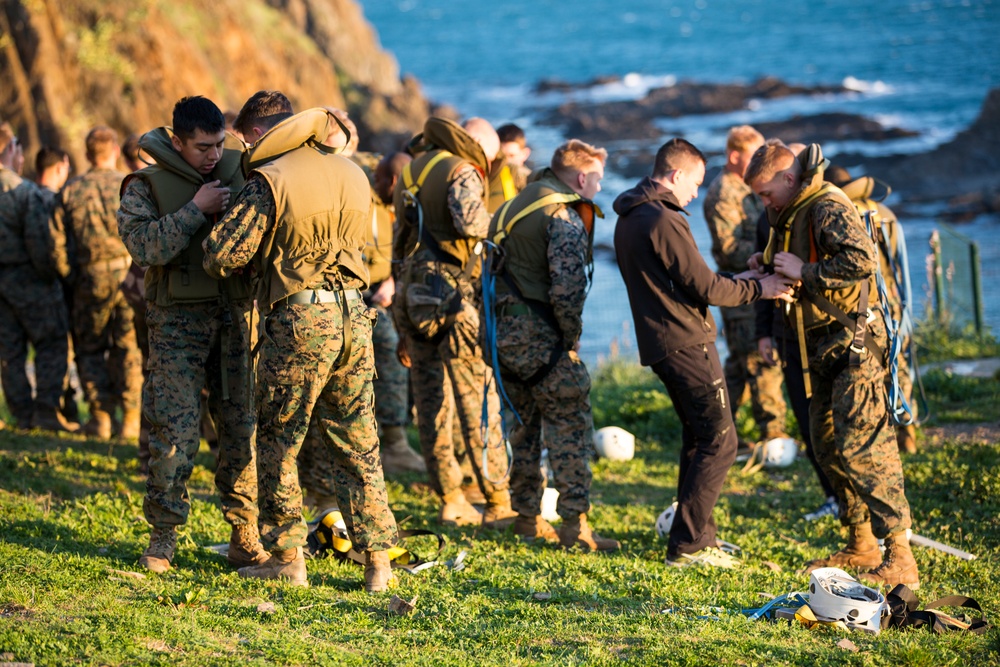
pixel 67 65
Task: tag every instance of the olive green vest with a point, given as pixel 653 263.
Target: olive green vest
pixel 323 208
pixel 436 170
pixel 174 184
pixel 378 246
pixel 794 233
pixel 520 227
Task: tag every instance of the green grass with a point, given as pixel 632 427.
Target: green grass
pixel 71 528
pixel 946 341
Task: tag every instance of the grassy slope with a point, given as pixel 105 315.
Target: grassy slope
pixel 71 516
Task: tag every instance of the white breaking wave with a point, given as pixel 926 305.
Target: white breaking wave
pixel 871 87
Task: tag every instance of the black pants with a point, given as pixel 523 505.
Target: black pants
pixel 789 352
pixel 695 381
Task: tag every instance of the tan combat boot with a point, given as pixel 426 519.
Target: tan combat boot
pixel 473 493
pixel 50 419
pixel 906 439
pixel 397 455
pixel 498 514
pixel 577 532
pixel 457 511
pixel 899 566
pixel 160 552
pixel 288 565
pixel 378 572
pixel 131 424
pixel 861 552
pixel 99 425
pixel 532 528
pixel 245 547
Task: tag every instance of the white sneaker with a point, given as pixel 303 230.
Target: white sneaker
pixel 829 508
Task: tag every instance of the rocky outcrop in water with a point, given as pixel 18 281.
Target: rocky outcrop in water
pixel 70 64
pixel 967 167
pixel 600 122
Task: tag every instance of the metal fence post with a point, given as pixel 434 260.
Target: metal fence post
pixel 938 277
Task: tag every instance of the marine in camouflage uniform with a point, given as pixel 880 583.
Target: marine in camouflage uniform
pixel 32 309
pixel 107 353
pixel 391 383
pixel 731 211
pixel 818 238
pixel 861 191
pixel 306 208
pixel 437 311
pixel 540 295
pixel 199 330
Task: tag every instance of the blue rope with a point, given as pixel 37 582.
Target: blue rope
pixel 490 335
pixel 899 409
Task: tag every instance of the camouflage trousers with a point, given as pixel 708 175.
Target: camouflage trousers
pixel 299 382
pixel 745 368
pixel 555 414
pixel 851 435
pixel 391 385
pixel 190 347
pixel 32 311
pixel 453 369
pixel 107 350
pixel 905 381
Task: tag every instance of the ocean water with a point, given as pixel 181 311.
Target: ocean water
pixel 922 65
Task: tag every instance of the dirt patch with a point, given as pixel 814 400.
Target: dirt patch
pixel 15 611
pixel 980 433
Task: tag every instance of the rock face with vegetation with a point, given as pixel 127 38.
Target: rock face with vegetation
pixel 67 65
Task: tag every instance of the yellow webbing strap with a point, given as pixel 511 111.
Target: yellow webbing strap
pixel 803 350
pixel 504 226
pixel 414 185
pixel 507 183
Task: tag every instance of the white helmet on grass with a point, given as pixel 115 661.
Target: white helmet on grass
pixel 614 443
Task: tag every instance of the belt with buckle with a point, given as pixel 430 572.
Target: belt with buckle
pixel 313 296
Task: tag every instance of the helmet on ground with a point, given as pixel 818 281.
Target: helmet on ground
pixel 835 595
pixel 779 452
pixel 550 499
pixel 331 532
pixel 665 521
pixel 614 444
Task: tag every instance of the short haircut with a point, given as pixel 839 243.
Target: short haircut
pixel 837 175
pixel 767 161
pixel 101 142
pixel 197 113
pixel 130 149
pixel 676 154
pixel 574 156
pixel 742 138
pixel 264 109
pixel 48 157
pixel 511 133
pixel 7 136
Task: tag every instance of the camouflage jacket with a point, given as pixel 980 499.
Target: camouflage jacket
pixel 24 225
pixel 846 254
pixel 466 203
pixel 731 211
pixel 152 239
pixel 85 212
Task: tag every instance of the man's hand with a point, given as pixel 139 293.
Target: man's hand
pixel 788 264
pixel 210 198
pixel 756 261
pixel 777 286
pixel 765 346
pixel 750 275
pixel 382 297
pixel 402 353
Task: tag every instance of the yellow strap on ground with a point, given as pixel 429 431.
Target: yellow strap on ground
pixel 414 187
pixel 554 198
